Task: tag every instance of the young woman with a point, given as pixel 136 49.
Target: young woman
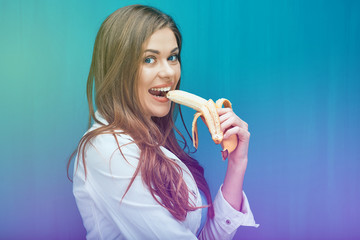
pixel 132 180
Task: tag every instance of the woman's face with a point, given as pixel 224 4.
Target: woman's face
pixel 159 72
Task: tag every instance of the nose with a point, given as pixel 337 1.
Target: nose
pixel 166 71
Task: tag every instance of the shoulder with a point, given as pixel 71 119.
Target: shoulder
pixel 111 152
pixel 108 143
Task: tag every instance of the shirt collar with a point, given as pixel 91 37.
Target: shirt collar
pixel 100 118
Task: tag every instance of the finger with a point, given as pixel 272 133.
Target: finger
pixel 222 111
pixel 237 119
pixel 233 122
pixel 225 116
pixel 228 123
pixel 243 134
pixel 244 124
pixel 225 113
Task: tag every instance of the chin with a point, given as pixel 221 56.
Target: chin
pixel 161 114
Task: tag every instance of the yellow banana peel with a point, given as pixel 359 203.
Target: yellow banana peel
pixel 207 109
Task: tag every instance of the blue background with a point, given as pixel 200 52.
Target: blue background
pixel 290 68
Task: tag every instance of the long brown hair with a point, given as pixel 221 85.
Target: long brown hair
pixel 113 75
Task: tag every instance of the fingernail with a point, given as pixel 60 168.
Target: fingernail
pixel 224 154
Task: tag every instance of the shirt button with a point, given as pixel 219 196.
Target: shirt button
pixel 228 222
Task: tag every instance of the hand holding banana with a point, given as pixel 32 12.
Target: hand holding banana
pixel 207 109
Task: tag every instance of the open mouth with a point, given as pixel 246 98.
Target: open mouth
pixel 159 92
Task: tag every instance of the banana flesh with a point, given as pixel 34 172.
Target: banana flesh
pixel 207 109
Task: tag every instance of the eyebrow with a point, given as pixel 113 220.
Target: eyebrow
pixel 158 52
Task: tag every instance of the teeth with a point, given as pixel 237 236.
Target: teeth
pixel 161 89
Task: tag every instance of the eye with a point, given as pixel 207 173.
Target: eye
pixel 149 60
pixel 173 58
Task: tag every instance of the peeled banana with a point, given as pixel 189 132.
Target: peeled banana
pixel 207 109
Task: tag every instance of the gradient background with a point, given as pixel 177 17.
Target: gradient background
pixel 290 68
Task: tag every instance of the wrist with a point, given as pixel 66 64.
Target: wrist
pixel 238 165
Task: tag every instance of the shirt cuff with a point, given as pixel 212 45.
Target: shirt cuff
pixel 228 217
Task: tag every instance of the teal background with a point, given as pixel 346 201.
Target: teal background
pixel 290 68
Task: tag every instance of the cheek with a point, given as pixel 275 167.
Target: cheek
pixel 178 73
pixel 144 79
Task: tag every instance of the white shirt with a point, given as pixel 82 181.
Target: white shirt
pixel 138 215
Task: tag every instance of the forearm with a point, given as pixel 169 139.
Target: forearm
pixel 233 183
